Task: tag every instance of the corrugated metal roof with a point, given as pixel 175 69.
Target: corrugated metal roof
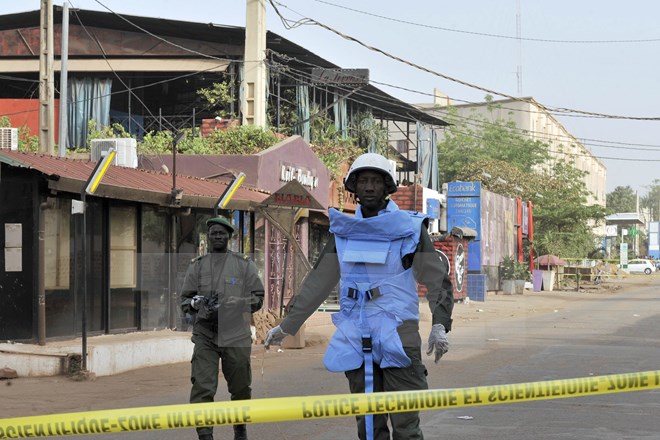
pixel 122 183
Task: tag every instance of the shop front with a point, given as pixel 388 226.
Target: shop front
pixel 277 257
pixel 136 243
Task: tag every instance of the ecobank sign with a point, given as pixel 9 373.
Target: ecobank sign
pixel 464 189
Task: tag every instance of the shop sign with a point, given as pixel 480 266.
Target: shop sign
pixel 340 76
pixel 292 194
pixel 305 177
pixel 463 189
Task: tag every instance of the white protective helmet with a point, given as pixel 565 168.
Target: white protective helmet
pixel 375 162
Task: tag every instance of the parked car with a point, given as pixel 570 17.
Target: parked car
pixel 639 265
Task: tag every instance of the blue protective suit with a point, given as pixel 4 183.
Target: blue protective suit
pixel 376 292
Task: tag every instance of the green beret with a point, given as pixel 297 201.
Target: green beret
pixel 220 221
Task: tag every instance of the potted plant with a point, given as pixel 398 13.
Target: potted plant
pixel 508 275
pixel 521 276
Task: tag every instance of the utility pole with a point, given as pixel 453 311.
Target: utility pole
pixel 46 81
pixel 519 38
pixel 64 57
pixel 253 100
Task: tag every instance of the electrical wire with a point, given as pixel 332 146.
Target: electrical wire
pixel 178 46
pixel 456 80
pixel 564 153
pixel 550 150
pixel 479 122
pixel 289 24
pixel 485 34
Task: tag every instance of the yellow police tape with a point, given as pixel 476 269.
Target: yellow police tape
pixel 314 407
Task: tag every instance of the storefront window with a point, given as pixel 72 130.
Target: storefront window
pixel 154 270
pixel 123 267
pixel 96 269
pixel 60 300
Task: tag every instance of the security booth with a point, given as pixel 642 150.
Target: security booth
pixel 453 250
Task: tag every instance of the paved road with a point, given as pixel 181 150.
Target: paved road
pixel 615 334
pixel 583 335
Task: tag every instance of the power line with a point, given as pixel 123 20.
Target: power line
pixel 564 153
pixel 532 111
pixel 16 78
pixel 477 122
pixel 209 56
pixel 485 34
pixel 456 80
pixel 178 46
pixel 306 76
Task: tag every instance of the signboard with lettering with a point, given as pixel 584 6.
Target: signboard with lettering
pixel 340 76
pixel 293 194
pixel 305 176
pixel 464 210
pixel 654 239
pixel 623 255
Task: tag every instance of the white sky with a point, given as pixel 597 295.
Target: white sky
pixel 608 77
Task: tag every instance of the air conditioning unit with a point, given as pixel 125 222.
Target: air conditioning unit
pixel 125 148
pixel 9 139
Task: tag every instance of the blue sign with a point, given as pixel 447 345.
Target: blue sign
pixel 433 208
pixel 464 210
pixel 464 189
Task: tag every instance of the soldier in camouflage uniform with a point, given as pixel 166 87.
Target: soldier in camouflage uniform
pixel 221 290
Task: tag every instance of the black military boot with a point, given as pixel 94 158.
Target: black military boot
pixel 240 432
pixel 206 437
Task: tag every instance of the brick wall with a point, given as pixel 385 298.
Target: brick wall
pixel 405 198
pixel 208 125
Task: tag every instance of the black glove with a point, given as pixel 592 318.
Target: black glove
pixel 209 309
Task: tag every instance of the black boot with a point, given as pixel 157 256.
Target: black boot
pixel 240 432
pixel 206 437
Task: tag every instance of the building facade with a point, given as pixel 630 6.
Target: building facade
pixel 118 261
pixel 539 125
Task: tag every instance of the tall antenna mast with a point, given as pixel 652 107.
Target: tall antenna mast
pixel 519 38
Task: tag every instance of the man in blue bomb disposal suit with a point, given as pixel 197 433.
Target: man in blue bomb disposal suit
pixel 377 256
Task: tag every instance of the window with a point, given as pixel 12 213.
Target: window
pixel 123 246
pixel 57 242
pixel 124 298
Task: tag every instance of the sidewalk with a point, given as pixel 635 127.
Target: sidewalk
pixel 113 354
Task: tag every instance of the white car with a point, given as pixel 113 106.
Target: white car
pixel 640 265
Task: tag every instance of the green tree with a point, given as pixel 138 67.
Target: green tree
pixel 26 141
pixel 218 98
pixel 621 199
pixel 563 219
pixel 504 160
pixel 482 138
pixel 651 201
